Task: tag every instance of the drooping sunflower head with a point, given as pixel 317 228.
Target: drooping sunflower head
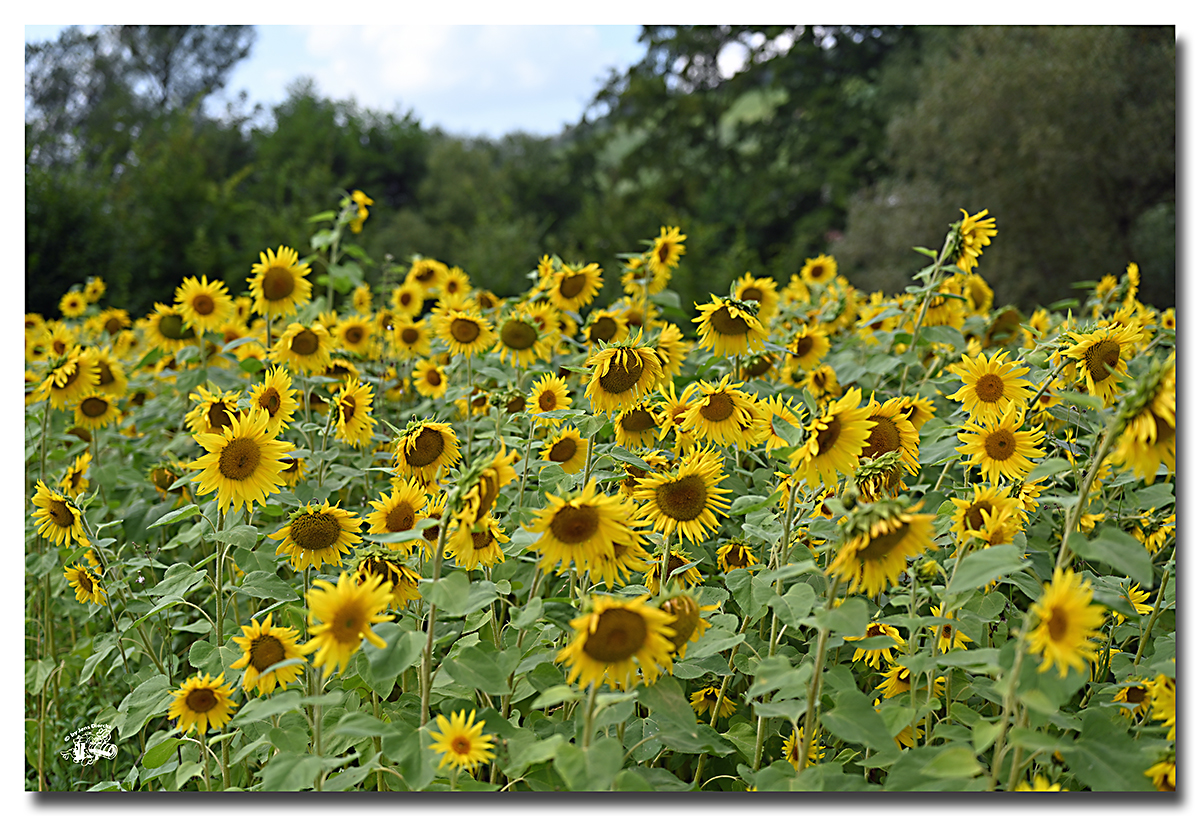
pixel 974 233
pixel 730 327
pixel 391 570
pixel 667 250
pixel 279 283
pixel 735 555
pixel 1102 356
pixel 763 291
pixel 882 541
pixel 834 441
pixel 424 448
pixel 638 426
pixel 428 273
pixel 612 636
pixel 477 544
pixel 276 397
pixel 808 347
pixel 202 703
pixel 686 619
pixel 86 584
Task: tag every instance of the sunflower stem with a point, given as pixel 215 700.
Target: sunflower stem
pixel 717 705
pixel 204 753
pixel 1046 383
pixel 470 409
pixel 427 657
pixel 811 716
pixel 588 714
pixel 525 472
pixel 935 280
pixel 1010 695
pixel 1115 427
pixel 1162 590
pixel 45 440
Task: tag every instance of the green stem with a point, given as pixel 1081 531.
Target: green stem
pixel 1115 426
pixel 811 716
pixel 1162 590
pixel 1010 695
pixel 427 657
pixel 525 471
pixel 588 713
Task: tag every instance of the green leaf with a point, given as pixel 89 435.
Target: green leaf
pixel 402 651
pixel 954 761
pixel 1105 757
pixel 358 724
pixel 289 771
pixel 408 748
pixel 676 720
pixel 981 568
pixel 713 641
pixel 1118 549
pixel 1155 496
pixel 450 593
pixel 482 668
pixel 528 615
pixel 556 695
pixel 525 749
pixel 151 698
pixel 793 606
pixel 590 769
pixel 158 755
pixel 243 536
pixel 262 584
pixel 745 504
pixel 750 591
pixel 848 619
pixel 856 721
pixel 176 515
pixel 935 768
pixel 179 579
pixel 1048 467
pixel 1087 402
pixel 264 708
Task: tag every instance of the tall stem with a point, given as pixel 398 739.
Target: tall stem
pixel 427 657
pixel 588 713
pixel 1115 426
pixel 811 717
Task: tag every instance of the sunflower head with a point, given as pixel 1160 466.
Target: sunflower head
pixel 461 741
pixel 614 634
pixel 202 703
pixel 279 283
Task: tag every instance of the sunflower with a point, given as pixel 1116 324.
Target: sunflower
pixel 73 304
pixel 818 270
pixel 59 520
pixel 667 250
pixel 264 645
pixel 572 289
pixel 639 279
pixel 214 411
pixel 355 425
pixel 990 385
pixel 892 431
pixel 875 559
pixel 948 635
pixel 671 350
pixel 94 289
pixel 621 375
pixel 898 680
pixel 341 615
pixel 729 327
pixel 461 742
pixel 1101 356
pixel 705 700
pixel 1162 701
pixel 567 449
pixel 722 414
pixel 619 567
pixel 318 534
pixel 522 338
pixel 86 584
pixel 465 333
pixel 279 283
pixel 834 440
pixel 204 305
pixel 638 426
pixel 687 499
pixel 424 448
pixel 1067 622
pixel 611 636
pixel 734 556
pixel 807 347
pixel 763 291
pixel 59 339
pixel 1000 448
pixel 397 512
pixel 686 620
pixel 362 299
pixel 673 409
pixel 75 481
pixel 677 570
pixel 293 470
pixel 634 474
pixel 775 413
pixel 276 397
pixel 478 544
pixel 822 382
pixel 791 749
pixel 1162 774
pixel 408 299
pixel 403 580
pixel 202 703
pixel 975 232
pixel 410 339
pixel 429 379
pixel 969 513
pixel 305 349
pixel 354 334
pixel 243 463
pixel 1148 439
pixel 549 394
pixel 69 379
pixel 580 529
pixel 1000 526
pixel 1040 784
pixel 479 498
pixel 876 656
pixel 96 410
pixel 428 273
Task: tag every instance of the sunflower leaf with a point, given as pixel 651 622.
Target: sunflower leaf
pixel 592 768
pixel 985 566
pixel 1118 549
pixel 449 592
pixel 176 515
pixel 482 668
pixel 1105 757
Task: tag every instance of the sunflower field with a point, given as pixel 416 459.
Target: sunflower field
pixel 324 534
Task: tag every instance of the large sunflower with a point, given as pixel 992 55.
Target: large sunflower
pixel 354 421
pixel 277 398
pixel 567 449
pixel 611 636
pixel 424 448
pixel 1000 448
pixel 990 385
pixel 874 560
pixel 834 440
pixel 279 283
pixel 318 534
pixel 244 462
pixel 549 394
pixel 687 499
pixel 86 584
pixel 723 414
pixel 465 333
pixel 205 306
pixel 728 328
pixel 572 289
pixel 202 703
pixel 621 375
pixel 264 645
pixel 1067 622
pixel 59 520
pixel 1102 356
pixel 397 512
pixel 69 379
pixel 305 349
pixel 1149 436
pixel 461 741
pixel 580 530
pixel 341 615
pixel 521 337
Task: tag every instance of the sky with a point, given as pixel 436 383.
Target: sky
pixel 466 79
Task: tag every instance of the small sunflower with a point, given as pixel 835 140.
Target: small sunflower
pixel 293 470
pixel 1162 774
pixel 317 535
pixel 465 333
pixel 688 499
pixel 898 679
pixel 567 449
pixel 397 512
pixel 96 410
pixel 113 380
pixel 69 379
pixel 403 580
pixel 1067 622
pixel 667 250
pixel 822 382
pixel 94 289
pixel 549 394
pixel 264 645
pixel 611 636
pixel 86 584
pixel 59 520
pixel 243 463
pixel 428 273
pixel 408 299
pixel 619 568
pixel 572 289
pixel 819 270
pixel 354 334
pixel 276 397
pixel 215 410
pixel 1000 448
pixel 430 379
pixel 202 703
pixel 355 424
pixel 637 426
pixel 478 544
pixel 461 742
pixel 424 448
pixel 73 304
pixel 975 232
pixel 520 337
pixel 723 414
pixel 990 385
pixel 305 349
pixel 686 620
pixel 605 326
pixel 279 283
pixel 878 655
pixel 671 350
pixel 834 440
pixel 204 306
pixel 734 556
pixel 340 617
pixel 776 412
pixel 763 291
pixel 621 375
pixel 808 347
pixel 873 560
pixel 480 497
pixel 410 339
pixel 791 749
pixel 1040 784
pixel 728 327
pixel 704 702
pixel 75 481
pixel 362 299
pixel 677 571
pixel 948 635
pixel 969 513
pixel 580 529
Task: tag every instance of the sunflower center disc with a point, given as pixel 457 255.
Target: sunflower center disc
pixel 85 583
pixel 683 499
pixel 239 459
pixel 989 388
pixel 400 518
pixel 572 286
pixel 346 627
pixel 575 525
pixel 623 374
pixel 1057 625
pixel 112 325
pixel 218 417
pixel 426 449
pixel 758 366
pixel 638 420
pixel 93 407
pixel 460 745
pixel 406 299
pixel 718 408
pixel 61 514
pixel 884 437
pixel 515 405
pixel 618 635
pixel 354 334
pixel 724 321
pixel 519 335
pixel 563 450
pixel 974 514
pixel 278 283
pixel 265 652
pixel 201 700
pixel 736 557
pixel 171 327
pixel 305 343
pixel 605 328
pixel 1135 695
pixel 1163 432
pixel 203 305
pixel 880 547
pixel 106 375
pixel 315 531
pixel 752 293
pixel 802 346
pixel 270 401
pixel 464 331
pixel 828 436
pixel 409 336
pixel 1000 444
pixel 1100 357
pixel 348 406
pixel 433 377
pixel 547 401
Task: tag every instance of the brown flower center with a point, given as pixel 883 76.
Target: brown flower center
pixel 265 652
pixel 605 328
pixel 202 304
pixel 724 321
pixel 433 377
pixel 305 343
pixel 974 514
pixel 277 283
pixel 347 405
pixel 989 388
pixel 464 331
pixel 879 547
pixel 426 449
pixel 1000 444
pixel 572 286
pixel 638 420
pixel 60 513
pixel 106 375
pixel 353 335
pixel 93 407
pixel 718 407
pixel 239 459
pixel 575 525
pixel 1057 624
pixel 885 437
pixel 515 405
pixel 687 618
pixel 171 327
pixel 548 401
pixel 1100 357
pixel 827 437
pixel 315 531
pixel 802 345
pixel 270 400
pixel 517 334
pixel 201 700
pixel 409 336
pixel 563 449
pixel 751 293
pixel 218 417
pixel 683 499
pixel 618 635
pixel 400 518
pixel 624 373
